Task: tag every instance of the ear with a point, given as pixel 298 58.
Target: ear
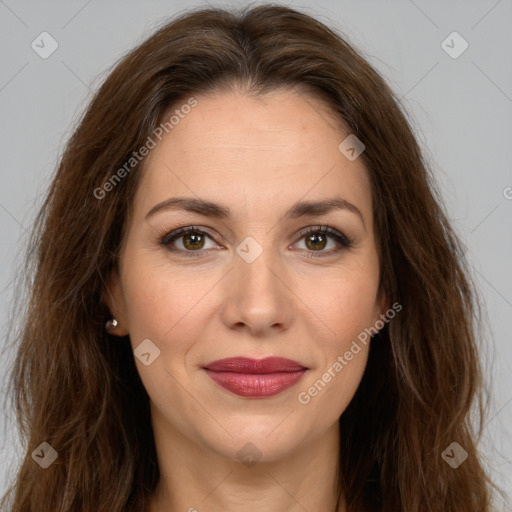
pixel 383 301
pixel 382 305
pixel 114 299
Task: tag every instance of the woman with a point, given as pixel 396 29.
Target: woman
pixel 246 292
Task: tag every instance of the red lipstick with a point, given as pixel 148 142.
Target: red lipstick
pixel 257 378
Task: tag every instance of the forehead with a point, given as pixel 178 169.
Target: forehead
pixel 257 154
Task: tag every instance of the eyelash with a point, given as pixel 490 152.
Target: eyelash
pixel 341 239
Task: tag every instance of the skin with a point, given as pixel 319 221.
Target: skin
pixel 258 156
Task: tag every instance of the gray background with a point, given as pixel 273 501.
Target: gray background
pixel 460 108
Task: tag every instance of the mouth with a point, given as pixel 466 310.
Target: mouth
pixel 256 378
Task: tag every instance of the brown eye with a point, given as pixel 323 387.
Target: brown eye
pixel 317 238
pixel 316 241
pixel 193 240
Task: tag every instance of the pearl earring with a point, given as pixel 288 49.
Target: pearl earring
pixel 111 324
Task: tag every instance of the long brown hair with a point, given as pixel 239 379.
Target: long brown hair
pixel 78 389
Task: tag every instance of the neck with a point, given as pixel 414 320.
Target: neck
pixel 194 478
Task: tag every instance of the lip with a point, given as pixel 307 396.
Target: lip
pixel 256 378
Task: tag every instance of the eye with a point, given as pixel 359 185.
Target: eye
pixel 192 241
pixel 316 239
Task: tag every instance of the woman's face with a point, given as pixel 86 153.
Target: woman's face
pixel 249 282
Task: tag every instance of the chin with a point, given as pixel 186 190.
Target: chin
pixel 261 441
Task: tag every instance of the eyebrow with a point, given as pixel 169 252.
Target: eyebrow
pixel 219 211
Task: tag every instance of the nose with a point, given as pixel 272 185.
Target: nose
pixel 258 295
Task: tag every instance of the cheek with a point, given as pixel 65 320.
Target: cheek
pixel 161 301
pixel 347 304
pixel 164 306
pixel 329 392
pixel 343 354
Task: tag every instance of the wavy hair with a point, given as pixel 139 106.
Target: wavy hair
pixel 77 388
